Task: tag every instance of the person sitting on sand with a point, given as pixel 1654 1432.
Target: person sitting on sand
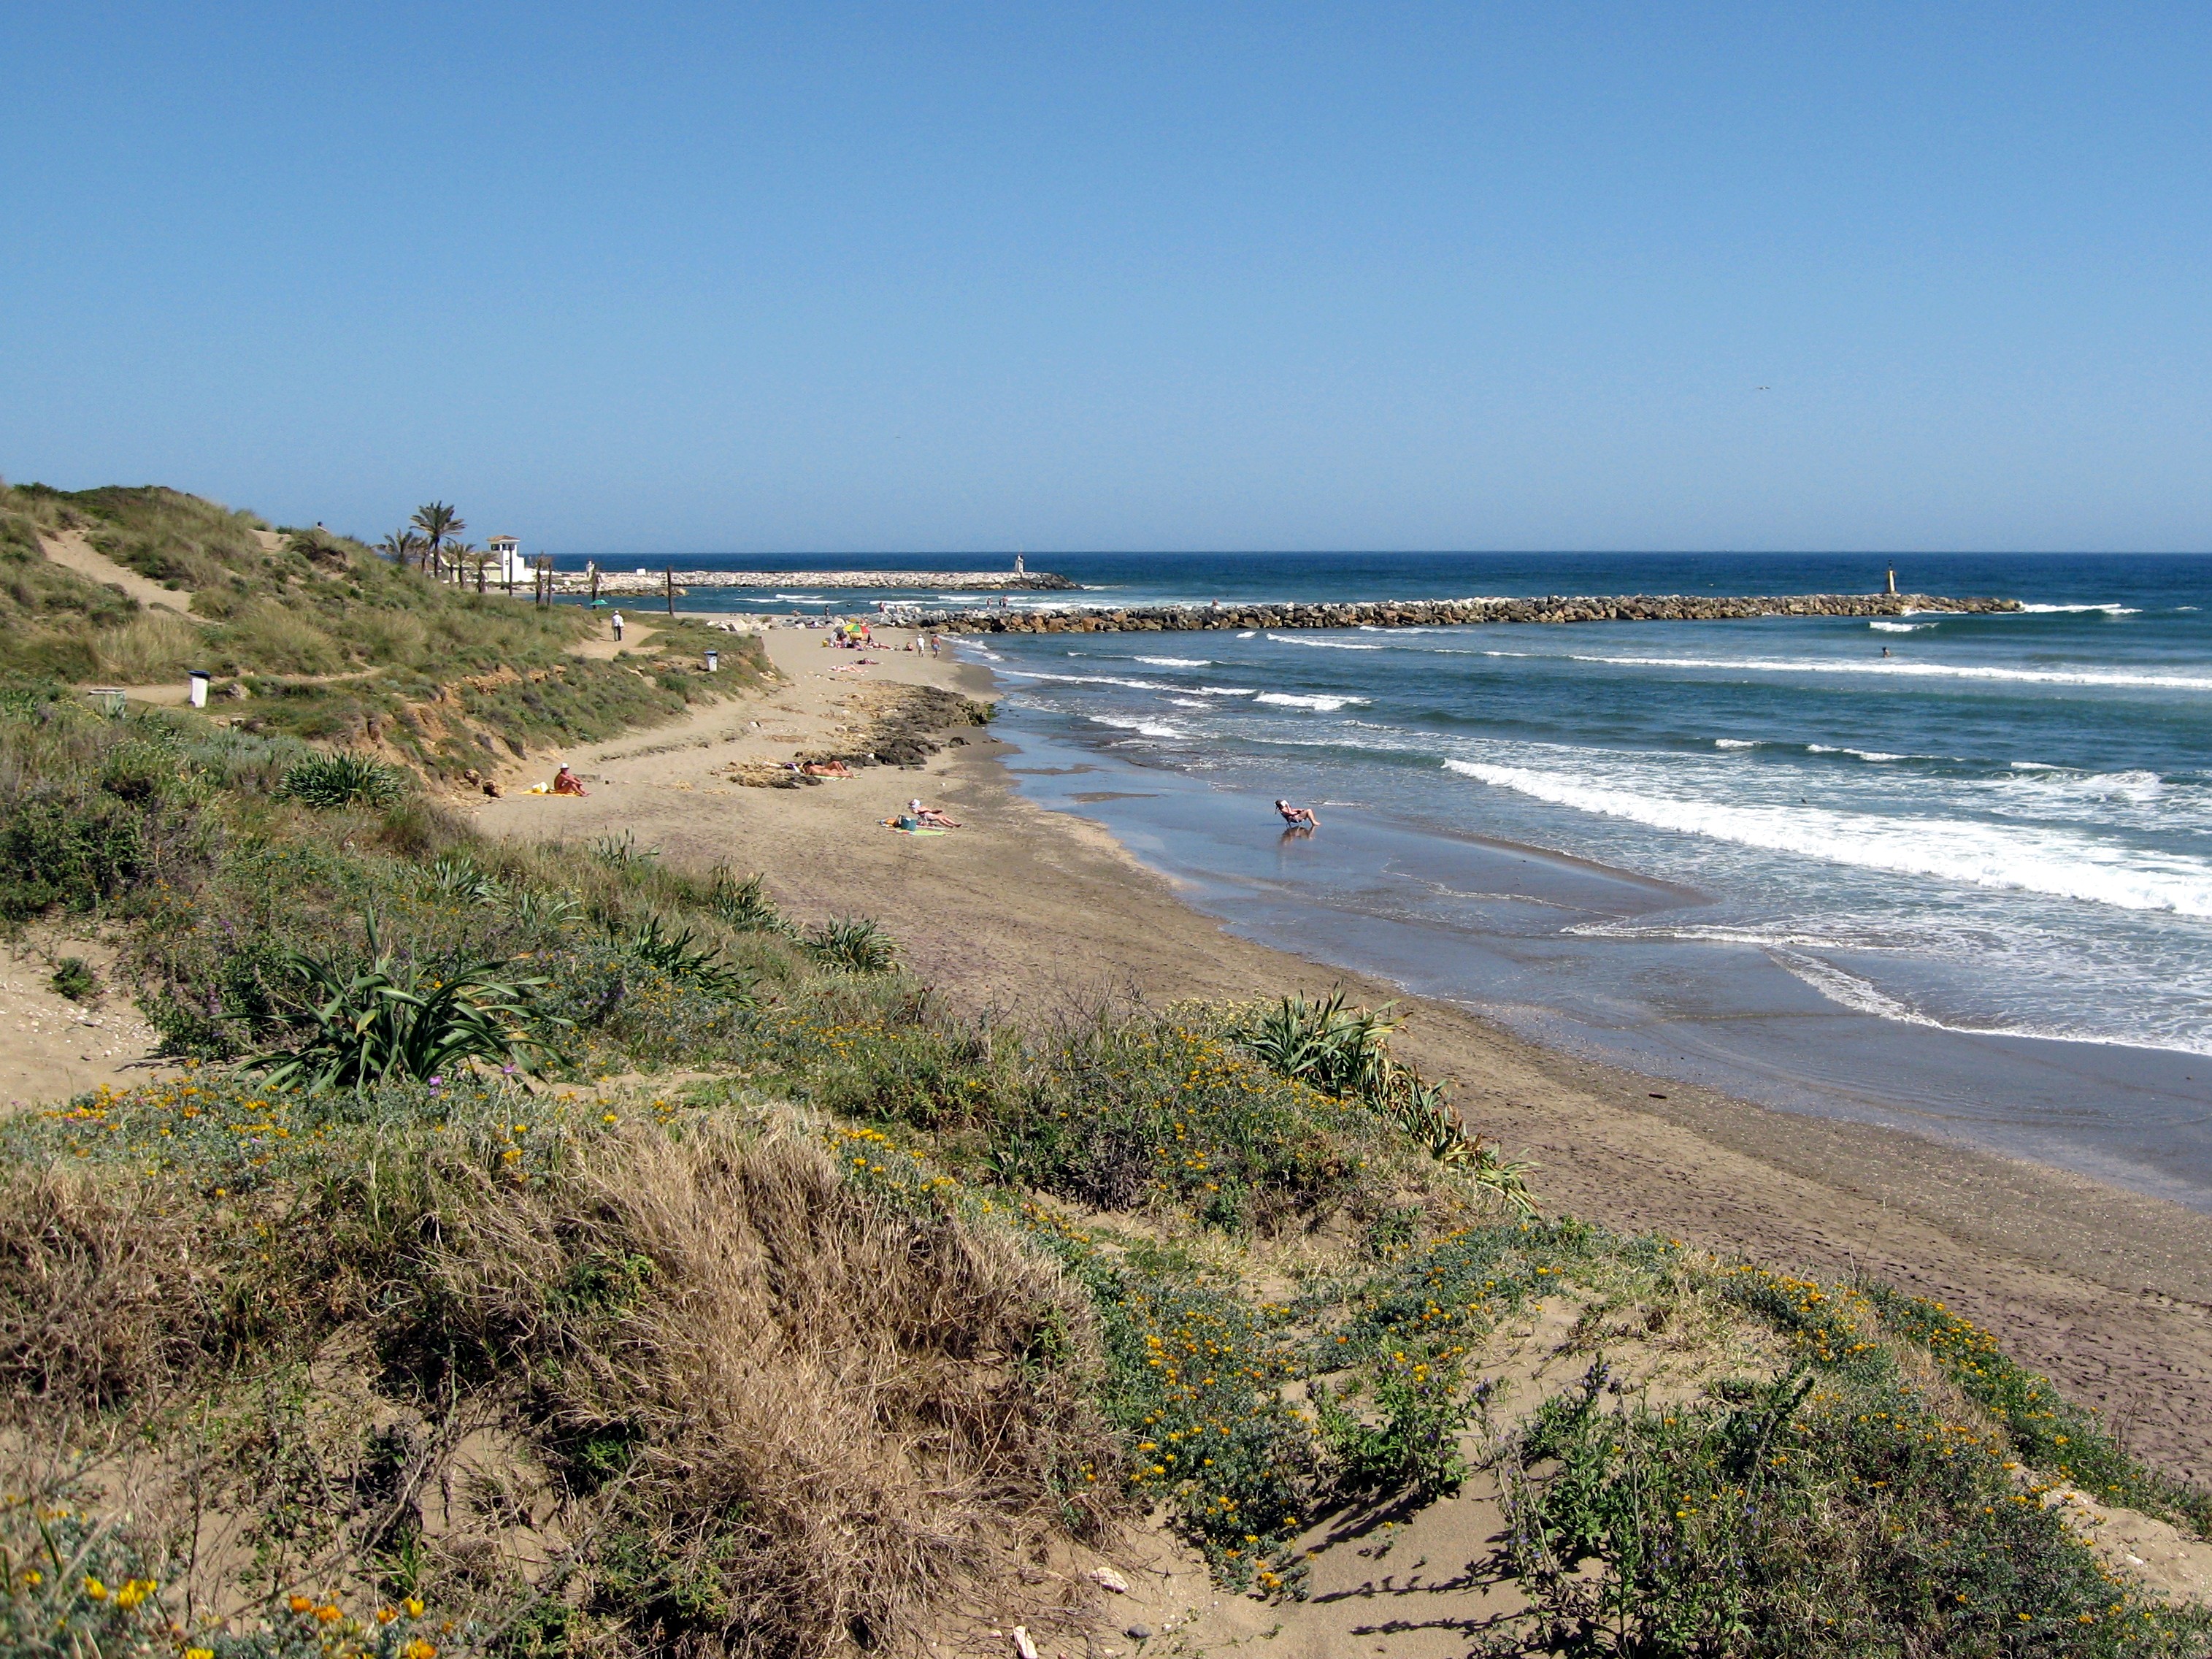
pixel 565 782
pixel 930 816
pixel 1299 818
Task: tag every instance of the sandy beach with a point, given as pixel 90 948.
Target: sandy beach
pixel 1023 911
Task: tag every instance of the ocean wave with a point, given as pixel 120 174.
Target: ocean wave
pixel 1221 691
pixel 1175 662
pixel 1899 627
pixel 1322 704
pixel 1735 743
pixel 1088 680
pixel 2133 786
pixel 2021 858
pixel 1863 996
pixel 2111 609
pixel 1325 645
pixel 1142 728
pixel 1876 756
pixel 1717 933
pixel 1906 670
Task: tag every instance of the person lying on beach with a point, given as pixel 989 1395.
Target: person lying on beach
pixel 830 769
pixel 565 782
pixel 1298 817
pixel 930 816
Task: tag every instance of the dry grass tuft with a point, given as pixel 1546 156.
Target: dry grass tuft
pixel 99 1299
pixel 147 648
pixel 820 1423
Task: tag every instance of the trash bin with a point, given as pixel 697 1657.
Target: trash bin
pixel 713 662
pixel 200 682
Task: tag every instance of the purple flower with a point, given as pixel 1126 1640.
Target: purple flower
pixel 437 1082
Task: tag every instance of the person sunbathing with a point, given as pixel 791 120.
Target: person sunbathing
pixel 930 817
pixel 1299 818
pixel 565 782
pixel 828 768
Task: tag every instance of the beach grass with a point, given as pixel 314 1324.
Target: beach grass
pixel 321 638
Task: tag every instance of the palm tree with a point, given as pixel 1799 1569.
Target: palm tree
pixel 458 555
pixel 437 522
pixel 400 547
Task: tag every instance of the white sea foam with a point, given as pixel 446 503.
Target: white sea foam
pixel 1088 680
pixel 1176 662
pixel 1221 691
pixel 2066 610
pixel 1325 645
pixel 2021 858
pixel 1863 996
pixel 1735 743
pixel 1324 705
pixel 1875 755
pixel 1899 627
pixel 1904 670
pixel 1188 702
pixel 2139 787
pixel 1246 635
pixel 1142 728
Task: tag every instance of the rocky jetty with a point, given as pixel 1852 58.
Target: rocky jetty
pixel 813 581
pixel 1442 613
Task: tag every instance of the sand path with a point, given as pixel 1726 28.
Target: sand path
pixel 69 549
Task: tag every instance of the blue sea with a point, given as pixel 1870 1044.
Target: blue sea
pixel 1953 873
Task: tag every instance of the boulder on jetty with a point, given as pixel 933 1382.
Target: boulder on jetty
pixel 1445 613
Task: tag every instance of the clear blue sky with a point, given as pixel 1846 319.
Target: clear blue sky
pixel 672 278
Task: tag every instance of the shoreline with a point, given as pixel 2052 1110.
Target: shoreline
pixel 1030 913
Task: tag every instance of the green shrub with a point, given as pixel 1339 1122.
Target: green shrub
pixel 1811 1516
pixel 1413 1450
pixel 73 978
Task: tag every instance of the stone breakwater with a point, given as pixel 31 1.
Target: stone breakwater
pixel 814 581
pixel 1442 613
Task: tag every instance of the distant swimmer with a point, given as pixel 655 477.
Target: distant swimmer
pixel 1299 818
pixel 1885 651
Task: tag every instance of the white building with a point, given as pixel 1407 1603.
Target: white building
pixel 507 564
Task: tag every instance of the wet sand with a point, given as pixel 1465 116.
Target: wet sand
pixel 1025 911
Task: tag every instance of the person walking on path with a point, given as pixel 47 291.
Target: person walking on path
pixel 617 620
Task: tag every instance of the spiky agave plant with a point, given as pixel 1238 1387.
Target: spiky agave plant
pixel 683 958
pixel 459 879
pixel 342 780
pixel 1343 1051
pixel 745 905
pixel 854 945
pixel 1337 1048
pixel 356 1027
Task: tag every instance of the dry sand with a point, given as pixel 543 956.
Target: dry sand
pixel 1024 910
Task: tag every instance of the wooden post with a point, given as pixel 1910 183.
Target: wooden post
pixel 668 575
